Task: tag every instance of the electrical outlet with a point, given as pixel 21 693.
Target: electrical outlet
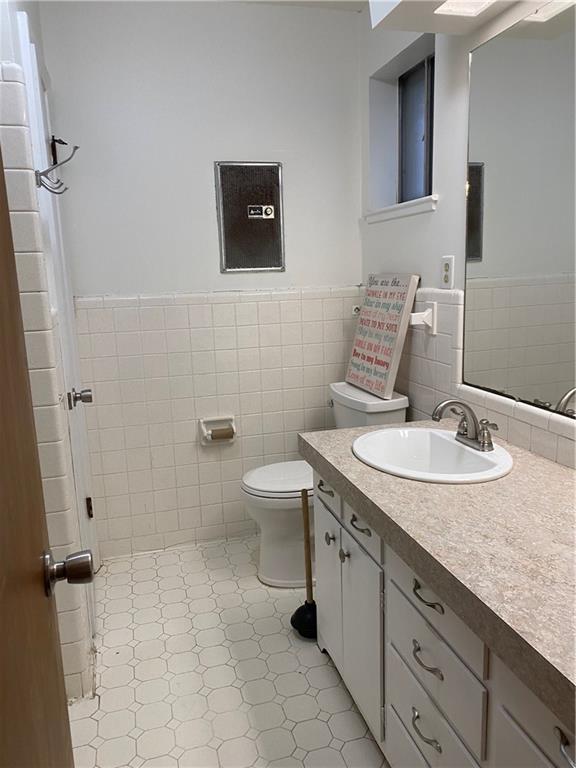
pixel 447 277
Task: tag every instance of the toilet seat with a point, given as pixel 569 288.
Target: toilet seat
pixel 283 480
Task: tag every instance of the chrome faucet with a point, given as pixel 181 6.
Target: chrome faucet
pixel 471 432
pixel 563 402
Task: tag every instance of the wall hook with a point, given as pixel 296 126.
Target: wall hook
pixel 55 186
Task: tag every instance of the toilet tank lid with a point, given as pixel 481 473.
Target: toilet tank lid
pixel 359 400
pixel 285 477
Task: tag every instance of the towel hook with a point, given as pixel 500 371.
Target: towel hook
pixel 55 186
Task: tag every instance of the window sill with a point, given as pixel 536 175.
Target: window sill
pixel 400 210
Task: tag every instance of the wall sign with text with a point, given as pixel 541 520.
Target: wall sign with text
pixel 381 332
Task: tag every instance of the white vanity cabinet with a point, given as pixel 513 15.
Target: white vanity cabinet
pixel 427 686
pixel 349 586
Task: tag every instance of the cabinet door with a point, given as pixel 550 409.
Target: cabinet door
pixel 328 584
pixel 512 747
pixel 362 630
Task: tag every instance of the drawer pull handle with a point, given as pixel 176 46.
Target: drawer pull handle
pixel 343 555
pixel 329 538
pixel 564 742
pixel 431 742
pixel 416 649
pixel 365 531
pixel 416 587
pixel 325 490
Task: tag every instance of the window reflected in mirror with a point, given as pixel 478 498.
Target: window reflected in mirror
pixel 519 306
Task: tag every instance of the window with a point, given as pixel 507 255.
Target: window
pixel 415 110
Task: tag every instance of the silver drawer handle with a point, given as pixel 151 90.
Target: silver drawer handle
pixel 431 742
pixel 325 490
pixel 416 649
pixel 343 555
pixel 564 742
pixel 329 538
pixel 365 531
pixel 416 587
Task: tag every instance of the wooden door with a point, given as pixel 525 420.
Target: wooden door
pixel 362 620
pixel 328 588
pixel 34 727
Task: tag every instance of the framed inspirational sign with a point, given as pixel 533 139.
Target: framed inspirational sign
pixel 380 333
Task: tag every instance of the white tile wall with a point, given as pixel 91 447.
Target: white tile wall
pixel 158 364
pixel 520 335
pixel 431 371
pixel 45 374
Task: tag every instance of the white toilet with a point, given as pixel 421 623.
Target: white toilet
pixel 272 492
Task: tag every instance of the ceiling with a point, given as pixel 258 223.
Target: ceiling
pixel 327 5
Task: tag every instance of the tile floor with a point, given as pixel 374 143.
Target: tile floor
pixel 198 667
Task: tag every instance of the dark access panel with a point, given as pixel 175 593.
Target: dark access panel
pixel 250 220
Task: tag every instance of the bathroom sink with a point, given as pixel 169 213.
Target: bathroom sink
pixel 430 455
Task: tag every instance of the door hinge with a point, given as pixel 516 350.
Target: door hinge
pixel 89 507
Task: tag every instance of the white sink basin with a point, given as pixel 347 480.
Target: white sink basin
pixel 430 455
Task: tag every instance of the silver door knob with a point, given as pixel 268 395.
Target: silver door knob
pixel 77 568
pixel 343 555
pixel 84 396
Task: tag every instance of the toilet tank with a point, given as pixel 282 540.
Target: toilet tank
pixel 354 407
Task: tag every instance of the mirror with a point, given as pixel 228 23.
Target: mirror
pixel 519 304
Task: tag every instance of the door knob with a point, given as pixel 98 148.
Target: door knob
pixel 77 568
pixel 84 396
pixel 343 555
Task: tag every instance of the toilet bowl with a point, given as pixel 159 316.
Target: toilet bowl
pixel 272 495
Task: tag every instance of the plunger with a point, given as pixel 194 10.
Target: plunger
pixel 304 618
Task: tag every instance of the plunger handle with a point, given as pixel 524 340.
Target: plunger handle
pixel 307 551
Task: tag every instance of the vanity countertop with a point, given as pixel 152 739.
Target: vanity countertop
pixel 501 553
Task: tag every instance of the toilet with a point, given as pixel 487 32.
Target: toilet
pixel 272 493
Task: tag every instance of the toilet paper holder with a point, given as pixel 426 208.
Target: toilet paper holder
pixel 217 430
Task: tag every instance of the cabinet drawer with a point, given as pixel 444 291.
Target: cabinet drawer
pixel 528 721
pixel 433 735
pixel 324 491
pixel 463 641
pixel 401 752
pixel 453 687
pixel 363 533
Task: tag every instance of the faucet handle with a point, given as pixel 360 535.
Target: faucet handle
pixel 463 423
pixel 485 437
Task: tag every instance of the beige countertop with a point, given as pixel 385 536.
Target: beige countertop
pixel 501 553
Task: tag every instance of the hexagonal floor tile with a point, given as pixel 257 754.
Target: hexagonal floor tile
pixel 237 753
pixel 347 726
pixel 116 753
pixel 225 699
pixel 155 742
pixel 230 725
pixel 275 743
pixel 312 734
pixel 300 708
pixel 265 716
pixel 201 757
pixel 153 715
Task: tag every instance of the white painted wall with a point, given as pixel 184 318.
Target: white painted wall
pixel 154 93
pixel 522 128
pixel 417 243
